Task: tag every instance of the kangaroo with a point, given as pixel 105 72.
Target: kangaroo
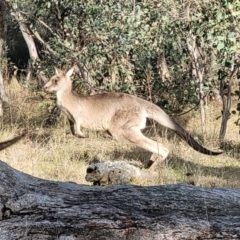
pixel 122 115
pixel 10 142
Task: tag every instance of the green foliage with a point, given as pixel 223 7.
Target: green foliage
pixel 123 40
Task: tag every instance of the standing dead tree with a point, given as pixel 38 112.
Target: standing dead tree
pixel 32 208
pixel 3 96
pixel 28 39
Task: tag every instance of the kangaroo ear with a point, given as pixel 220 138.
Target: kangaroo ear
pixel 70 72
pixel 57 70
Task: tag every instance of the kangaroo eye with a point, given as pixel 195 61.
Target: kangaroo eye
pixel 56 80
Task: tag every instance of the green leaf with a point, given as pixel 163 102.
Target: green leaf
pixel 209 36
pixel 220 46
pixel 219 16
pixel 221 38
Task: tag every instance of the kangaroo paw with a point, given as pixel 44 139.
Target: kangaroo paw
pixel 81 136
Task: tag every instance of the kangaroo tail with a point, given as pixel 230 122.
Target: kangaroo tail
pixel 165 120
pixel 195 145
pixel 10 142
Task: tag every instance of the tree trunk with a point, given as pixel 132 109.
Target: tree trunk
pixel 197 57
pixel 25 32
pixel 226 100
pixel 38 209
pixel 3 94
pixel 200 69
pixel 27 35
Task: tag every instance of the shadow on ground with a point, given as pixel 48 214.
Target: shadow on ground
pixel 232 149
pixel 191 171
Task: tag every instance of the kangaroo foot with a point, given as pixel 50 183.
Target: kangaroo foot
pixel 81 136
pixel 155 162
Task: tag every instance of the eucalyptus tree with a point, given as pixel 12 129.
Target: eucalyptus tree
pixel 171 52
pixel 215 26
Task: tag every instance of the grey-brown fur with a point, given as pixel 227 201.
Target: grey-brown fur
pixel 122 115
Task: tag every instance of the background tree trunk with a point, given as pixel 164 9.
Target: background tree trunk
pixel 32 208
pixel 226 100
pixel 28 37
pixel 3 95
pixel 197 56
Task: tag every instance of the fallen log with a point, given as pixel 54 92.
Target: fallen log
pixel 33 208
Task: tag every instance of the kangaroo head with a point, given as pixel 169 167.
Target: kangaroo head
pixel 61 81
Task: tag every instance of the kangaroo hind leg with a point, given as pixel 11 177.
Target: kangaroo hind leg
pixel 134 136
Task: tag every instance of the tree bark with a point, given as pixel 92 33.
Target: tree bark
pixel 3 95
pixel 227 101
pixel 27 35
pixel 32 208
pixel 197 57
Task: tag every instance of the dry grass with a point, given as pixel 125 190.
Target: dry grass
pixel 53 153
